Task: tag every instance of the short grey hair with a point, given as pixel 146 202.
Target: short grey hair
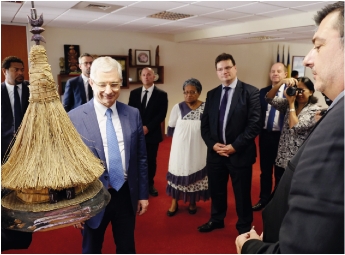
pixel 84 55
pixel 193 82
pixel 106 65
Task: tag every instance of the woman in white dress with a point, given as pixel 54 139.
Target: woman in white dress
pixel 187 175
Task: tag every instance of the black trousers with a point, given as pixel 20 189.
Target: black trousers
pixel 152 150
pixel 12 239
pixel 241 178
pixel 120 213
pixel 268 145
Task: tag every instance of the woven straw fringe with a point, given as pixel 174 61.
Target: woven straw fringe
pixel 48 151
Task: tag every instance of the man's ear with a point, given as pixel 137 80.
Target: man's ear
pixel 3 71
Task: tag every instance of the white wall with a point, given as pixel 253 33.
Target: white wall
pixel 181 61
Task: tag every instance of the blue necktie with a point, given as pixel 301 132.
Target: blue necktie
pixel 222 110
pixel 18 116
pixel 114 156
pixel 271 115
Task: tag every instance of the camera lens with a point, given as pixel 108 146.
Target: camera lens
pixel 291 91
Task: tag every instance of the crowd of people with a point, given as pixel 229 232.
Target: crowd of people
pixel 211 141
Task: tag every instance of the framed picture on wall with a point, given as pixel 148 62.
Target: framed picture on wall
pixel 297 64
pixel 72 54
pixel 142 57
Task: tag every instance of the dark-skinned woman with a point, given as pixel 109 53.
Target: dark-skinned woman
pixel 187 176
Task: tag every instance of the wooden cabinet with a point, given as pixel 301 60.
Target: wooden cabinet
pixel 134 74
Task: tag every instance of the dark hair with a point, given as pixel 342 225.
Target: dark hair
pixel 224 56
pixel 310 85
pixel 194 82
pixel 294 73
pixel 84 55
pixel 335 7
pixel 6 63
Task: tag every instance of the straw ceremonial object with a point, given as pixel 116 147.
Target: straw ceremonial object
pixel 48 154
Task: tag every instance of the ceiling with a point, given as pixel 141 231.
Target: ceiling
pixel 210 22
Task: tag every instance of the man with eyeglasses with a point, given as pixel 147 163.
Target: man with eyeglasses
pixel 309 200
pixel 229 125
pixel 113 132
pixel 152 103
pixel 77 89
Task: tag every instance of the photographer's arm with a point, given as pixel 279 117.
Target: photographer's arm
pixel 293 118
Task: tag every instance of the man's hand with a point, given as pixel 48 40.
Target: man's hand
pixel 225 150
pixel 241 239
pixel 145 130
pixel 79 225
pixel 142 206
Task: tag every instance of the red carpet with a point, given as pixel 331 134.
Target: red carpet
pixel 155 231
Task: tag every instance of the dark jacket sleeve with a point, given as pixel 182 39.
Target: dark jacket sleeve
pixel 205 123
pixel 68 97
pixel 253 126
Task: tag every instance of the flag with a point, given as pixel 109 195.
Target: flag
pixel 288 64
pixel 278 54
pixel 283 55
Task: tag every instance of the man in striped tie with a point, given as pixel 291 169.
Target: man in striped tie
pixel 113 132
pixel 271 122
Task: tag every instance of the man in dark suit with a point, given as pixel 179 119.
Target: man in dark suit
pixel 229 125
pixel 272 123
pixel 306 214
pixel 77 89
pixel 153 106
pixel 125 176
pixel 12 112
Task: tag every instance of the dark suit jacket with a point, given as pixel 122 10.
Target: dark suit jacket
pixel 307 209
pixel 74 93
pixel 263 104
pixel 85 121
pixel 243 124
pixel 7 123
pixel 155 113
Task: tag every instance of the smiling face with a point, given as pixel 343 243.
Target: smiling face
pixel 108 96
pixel 226 71
pixel 326 59
pixel 277 73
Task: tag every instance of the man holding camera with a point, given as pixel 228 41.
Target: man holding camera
pixel 272 123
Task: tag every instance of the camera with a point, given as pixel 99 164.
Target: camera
pixel 291 91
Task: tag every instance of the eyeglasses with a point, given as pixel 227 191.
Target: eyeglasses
pixel 86 63
pixel 190 92
pixel 227 68
pixel 115 86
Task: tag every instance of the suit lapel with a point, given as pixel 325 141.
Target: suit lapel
pixel 152 98
pixel 89 118
pixel 5 99
pixel 81 89
pixel 234 100
pixel 25 97
pixel 126 129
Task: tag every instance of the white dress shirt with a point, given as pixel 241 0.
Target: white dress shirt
pixel 276 126
pixel 102 122
pixel 10 90
pixel 86 86
pixel 231 93
pixel 149 93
